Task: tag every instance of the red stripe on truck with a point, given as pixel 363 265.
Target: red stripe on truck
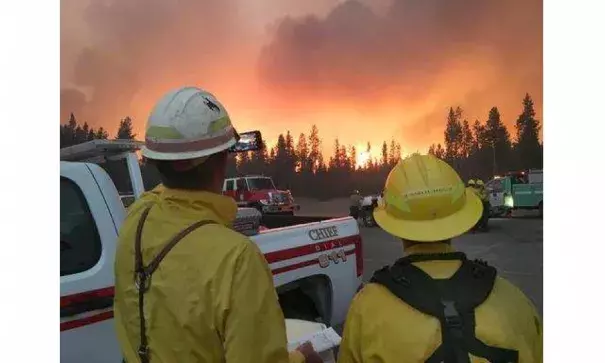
pixel 72 324
pixel 290 253
pixel 83 296
pixel 305 250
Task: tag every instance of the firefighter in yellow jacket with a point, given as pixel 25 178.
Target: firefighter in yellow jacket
pixel 435 305
pixel 478 188
pixel 188 288
pixel 483 195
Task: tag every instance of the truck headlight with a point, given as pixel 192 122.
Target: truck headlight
pixel 508 201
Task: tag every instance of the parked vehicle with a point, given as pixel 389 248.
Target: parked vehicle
pixel 368 204
pixel 317 266
pixel 514 191
pixel 258 191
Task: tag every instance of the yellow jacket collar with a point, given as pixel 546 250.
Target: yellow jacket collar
pixel 425 248
pixel 223 207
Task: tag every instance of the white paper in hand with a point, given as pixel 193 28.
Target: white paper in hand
pixel 322 341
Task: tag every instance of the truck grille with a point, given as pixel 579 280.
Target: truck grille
pixel 280 198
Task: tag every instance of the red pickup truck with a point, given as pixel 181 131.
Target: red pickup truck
pixel 257 191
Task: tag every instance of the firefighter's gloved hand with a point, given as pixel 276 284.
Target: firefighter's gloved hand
pixel 311 356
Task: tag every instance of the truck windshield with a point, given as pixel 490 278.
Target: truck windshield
pixel 260 183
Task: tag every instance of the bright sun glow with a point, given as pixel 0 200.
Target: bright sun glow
pixel 362 159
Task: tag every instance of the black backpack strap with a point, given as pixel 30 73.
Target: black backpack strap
pixel 452 301
pixel 143 273
pixel 421 257
pixel 419 290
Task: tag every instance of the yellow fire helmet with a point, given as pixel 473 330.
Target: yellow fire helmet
pixel 426 201
pixel 480 182
pixel 471 183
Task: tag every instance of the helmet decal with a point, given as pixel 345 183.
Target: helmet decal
pixel 211 105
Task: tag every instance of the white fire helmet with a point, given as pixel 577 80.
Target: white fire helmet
pixel 187 123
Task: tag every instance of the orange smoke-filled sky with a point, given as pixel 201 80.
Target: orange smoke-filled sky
pixel 366 70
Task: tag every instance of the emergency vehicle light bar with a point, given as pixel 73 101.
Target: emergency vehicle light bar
pixel 99 148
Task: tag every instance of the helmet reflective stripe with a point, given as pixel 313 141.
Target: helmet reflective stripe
pixel 426 201
pixel 188 145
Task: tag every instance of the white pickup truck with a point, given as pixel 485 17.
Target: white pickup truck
pixel 317 266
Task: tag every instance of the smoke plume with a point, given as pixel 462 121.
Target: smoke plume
pixel 395 65
pixel 417 57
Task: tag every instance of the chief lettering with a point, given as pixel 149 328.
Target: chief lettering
pixel 323 233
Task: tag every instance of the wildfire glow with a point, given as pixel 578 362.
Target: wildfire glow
pixel 362 159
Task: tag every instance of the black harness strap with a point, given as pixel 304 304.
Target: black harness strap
pixel 452 301
pixel 143 273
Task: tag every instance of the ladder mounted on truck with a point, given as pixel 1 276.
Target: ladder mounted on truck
pixel 101 151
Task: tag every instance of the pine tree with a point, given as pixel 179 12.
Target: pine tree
pixel 353 157
pixel 281 149
pixel 453 135
pixel 68 132
pixel 302 149
pixel 498 139
pixel 528 149
pixel 125 129
pixel 321 164
pixel 290 152
pixel 281 170
pixel 392 157
pixel 385 154
pixel 335 159
pixel 315 157
pixel 343 158
pixel 72 123
pixel 263 154
pixel 91 135
pixel 272 155
pixel 479 135
pixel 81 135
pixel 466 146
pixel 101 134
pixel 289 144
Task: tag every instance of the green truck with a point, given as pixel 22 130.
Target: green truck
pixel 514 191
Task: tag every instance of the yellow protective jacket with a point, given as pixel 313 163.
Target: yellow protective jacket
pixel 483 194
pixel 480 192
pixel 382 328
pixel 212 298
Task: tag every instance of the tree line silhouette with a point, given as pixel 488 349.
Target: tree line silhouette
pixel 480 150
